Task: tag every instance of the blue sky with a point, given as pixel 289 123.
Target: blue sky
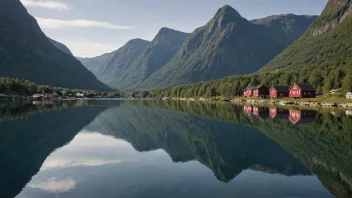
pixel 93 27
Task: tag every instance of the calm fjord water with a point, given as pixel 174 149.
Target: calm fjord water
pixel 173 149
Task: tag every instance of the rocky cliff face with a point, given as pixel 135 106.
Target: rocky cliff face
pixel 335 12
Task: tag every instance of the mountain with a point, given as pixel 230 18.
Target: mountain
pixel 110 66
pixel 25 52
pixel 286 27
pixel 229 45
pixel 130 65
pixel 61 46
pixel 159 52
pixel 323 52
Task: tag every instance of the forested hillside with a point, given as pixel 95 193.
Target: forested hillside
pixel 322 57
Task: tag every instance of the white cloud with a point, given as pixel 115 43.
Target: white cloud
pixel 55 186
pixel 46 4
pixel 66 163
pixel 88 49
pixel 61 24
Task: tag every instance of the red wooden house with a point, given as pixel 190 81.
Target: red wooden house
pixel 261 91
pixel 248 92
pixel 297 116
pixel 279 91
pixel 302 91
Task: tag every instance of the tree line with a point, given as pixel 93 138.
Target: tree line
pixel 26 87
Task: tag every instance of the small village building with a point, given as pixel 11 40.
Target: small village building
pixel 261 91
pixel 279 91
pixel 248 92
pixel 302 91
pixel 301 116
pixel 349 95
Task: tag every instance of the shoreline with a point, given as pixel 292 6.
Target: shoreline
pixel 273 102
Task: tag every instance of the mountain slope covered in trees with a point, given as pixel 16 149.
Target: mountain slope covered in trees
pixel 324 50
pixel 25 52
pixel 321 56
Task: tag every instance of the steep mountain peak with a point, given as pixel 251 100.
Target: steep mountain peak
pixel 227 10
pixel 168 35
pixel 166 29
pixel 168 32
pixel 136 41
pixel 225 16
pixel 228 13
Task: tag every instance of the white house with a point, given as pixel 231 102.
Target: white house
pixel 349 95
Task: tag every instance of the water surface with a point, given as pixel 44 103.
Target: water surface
pixel 173 149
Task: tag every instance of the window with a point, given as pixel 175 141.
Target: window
pixel 305 93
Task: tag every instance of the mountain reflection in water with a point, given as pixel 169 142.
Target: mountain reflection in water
pixel 123 148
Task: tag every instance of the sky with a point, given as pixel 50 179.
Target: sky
pixel 94 27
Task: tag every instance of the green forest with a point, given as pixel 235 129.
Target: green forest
pixel 28 88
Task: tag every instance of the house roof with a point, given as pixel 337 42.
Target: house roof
pixel 306 87
pixel 281 88
pixel 259 86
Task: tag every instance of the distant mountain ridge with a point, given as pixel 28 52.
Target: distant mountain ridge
pixel 25 52
pixel 111 66
pixel 227 45
pixel 159 52
pixel 147 58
